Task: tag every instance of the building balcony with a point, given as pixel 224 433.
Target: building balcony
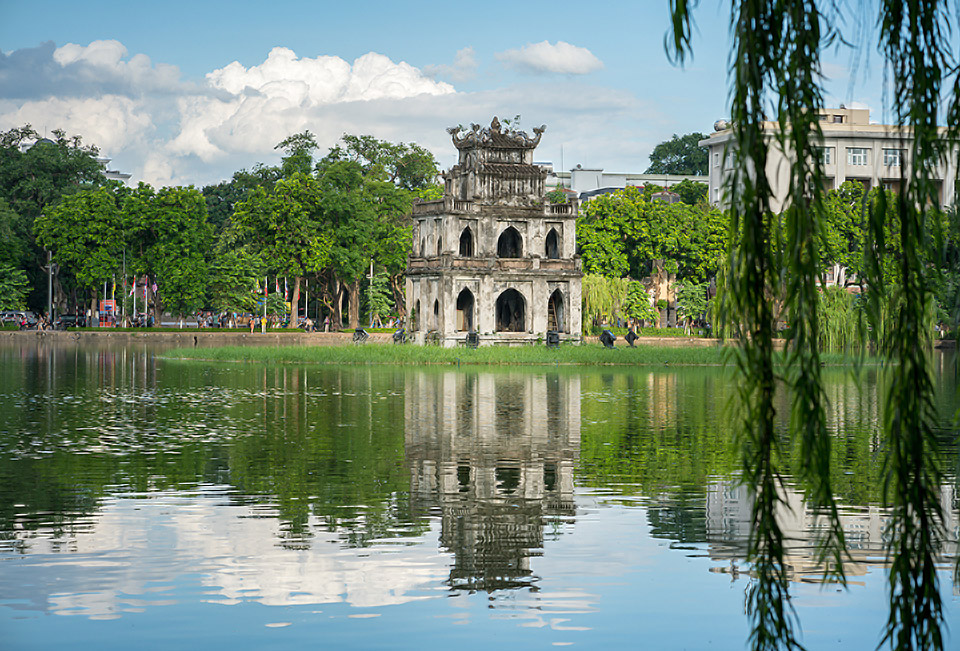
pixel 449 262
pixel 452 206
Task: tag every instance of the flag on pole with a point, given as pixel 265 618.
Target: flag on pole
pixel 256 283
pixel 278 284
pixel 286 291
pixel 133 287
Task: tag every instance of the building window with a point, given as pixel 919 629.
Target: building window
pixel 716 160
pixel 891 157
pixel 856 156
pixel 716 195
pixel 510 312
pixel 465 311
pixel 838 119
pixel 510 245
pixel 728 161
pixel 825 154
pixel 553 244
pixel 466 243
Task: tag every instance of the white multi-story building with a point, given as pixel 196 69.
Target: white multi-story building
pixel 586 182
pixel 853 149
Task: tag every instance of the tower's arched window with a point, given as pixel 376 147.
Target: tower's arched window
pixel 511 312
pixel 553 244
pixel 439 245
pixel 415 317
pixel 436 315
pixel 465 311
pixel 466 243
pixel 423 247
pixel 555 316
pixel 510 244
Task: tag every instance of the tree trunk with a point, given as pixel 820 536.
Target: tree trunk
pixel 94 322
pixel 295 304
pixel 355 304
pixel 396 287
pixel 157 308
pixel 336 321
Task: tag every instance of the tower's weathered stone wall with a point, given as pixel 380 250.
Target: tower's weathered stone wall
pixel 494 256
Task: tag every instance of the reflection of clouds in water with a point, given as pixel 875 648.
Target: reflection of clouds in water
pixel 137 545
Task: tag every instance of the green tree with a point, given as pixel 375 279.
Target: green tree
pixel 168 239
pixel 679 155
pixel 408 166
pixel 777 46
pixel 299 150
pixel 284 226
pixel 637 305
pixel 234 280
pixel 691 192
pixel 691 300
pixel 13 287
pixel 34 178
pixel 85 233
pixel 625 231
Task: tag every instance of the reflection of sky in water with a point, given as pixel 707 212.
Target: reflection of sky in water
pixel 592 509
pixel 196 560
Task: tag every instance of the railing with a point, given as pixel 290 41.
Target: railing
pixel 558 209
pixel 448 261
pixel 428 207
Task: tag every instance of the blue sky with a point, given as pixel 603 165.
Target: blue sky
pixel 188 92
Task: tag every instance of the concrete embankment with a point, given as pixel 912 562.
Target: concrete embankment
pixel 200 339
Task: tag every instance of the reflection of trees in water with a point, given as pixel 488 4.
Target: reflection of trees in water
pixel 495 454
pixel 667 438
pixel 315 448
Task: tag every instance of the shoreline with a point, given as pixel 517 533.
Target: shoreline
pixel 213 338
pixel 337 348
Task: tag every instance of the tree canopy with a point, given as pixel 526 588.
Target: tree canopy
pixel 775 69
pixel 679 155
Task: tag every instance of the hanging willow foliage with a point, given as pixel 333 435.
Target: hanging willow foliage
pixel 775 65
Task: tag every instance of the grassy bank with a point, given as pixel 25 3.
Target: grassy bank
pixel 584 355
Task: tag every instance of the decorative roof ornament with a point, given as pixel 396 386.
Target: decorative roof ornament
pixel 494 136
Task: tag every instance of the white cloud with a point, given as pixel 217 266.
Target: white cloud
pixel 165 131
pixel 464 67
pixel 270 101
pixel 111 122
pixel 546 57
pixel 103 62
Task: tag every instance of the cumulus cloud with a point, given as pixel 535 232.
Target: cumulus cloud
pixel 270 101
pixel 111 122
pixel 99 68
pixel 546 57
pixel 464 67
pixel 166 131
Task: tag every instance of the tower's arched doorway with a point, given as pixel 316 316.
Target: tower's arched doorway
pixel 511 312
pixel 415 317
pixel 436 315
pixel 555 315
pixel 466 243
pixel 510 244
pixel 465 311
pixel 553 244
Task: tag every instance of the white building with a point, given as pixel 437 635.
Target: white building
pixel 853 149
pixel 590 181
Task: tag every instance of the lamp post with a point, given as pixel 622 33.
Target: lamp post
pixel 50 286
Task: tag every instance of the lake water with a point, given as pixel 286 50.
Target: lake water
pixel 151 503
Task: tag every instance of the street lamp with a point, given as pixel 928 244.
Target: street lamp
pixel 51 269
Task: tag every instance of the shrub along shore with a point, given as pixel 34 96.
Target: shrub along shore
pixel 583 355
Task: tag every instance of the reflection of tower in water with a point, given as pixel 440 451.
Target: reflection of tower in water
pixel 495 453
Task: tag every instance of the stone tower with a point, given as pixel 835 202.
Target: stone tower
pixel 494 256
